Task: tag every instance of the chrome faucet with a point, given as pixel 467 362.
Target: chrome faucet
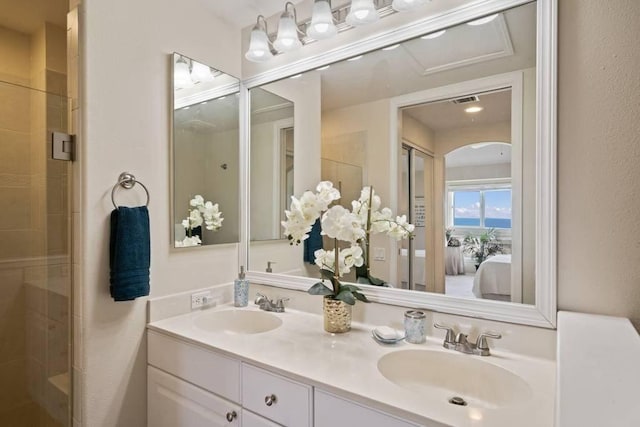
pixel 461 344
pixel 266 304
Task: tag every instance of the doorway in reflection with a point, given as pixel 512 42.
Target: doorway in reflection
pixel 416 261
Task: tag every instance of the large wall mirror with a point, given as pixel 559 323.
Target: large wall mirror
pixel 205 154
pixel 453 128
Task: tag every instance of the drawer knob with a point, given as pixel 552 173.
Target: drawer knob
pixel 270 400
pixel 231 416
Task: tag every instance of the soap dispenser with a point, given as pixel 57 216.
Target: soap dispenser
pixel 241 290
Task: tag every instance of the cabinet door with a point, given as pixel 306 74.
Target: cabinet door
pixel 332 411
pixel 249 419
pixel 173 402
pixel 275 397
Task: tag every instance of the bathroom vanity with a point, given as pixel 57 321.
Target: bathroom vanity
pixel 246 367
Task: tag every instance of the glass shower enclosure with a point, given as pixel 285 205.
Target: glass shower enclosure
pixel 35 227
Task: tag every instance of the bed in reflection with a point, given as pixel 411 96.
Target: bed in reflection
pixel 493 279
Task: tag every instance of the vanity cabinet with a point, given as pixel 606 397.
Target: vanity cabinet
pixel 332 411
pixel 280 399
pixel 191 386
pixel 174 402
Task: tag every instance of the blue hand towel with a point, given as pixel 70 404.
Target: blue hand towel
pixel 313 243
pixel 129 253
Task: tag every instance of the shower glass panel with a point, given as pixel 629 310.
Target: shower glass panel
pixel 35 248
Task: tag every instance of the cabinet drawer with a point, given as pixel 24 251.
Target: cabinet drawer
pixel 249 419
pixel 209 370
pixel 280 399
pixel 173 402
pixel 332 411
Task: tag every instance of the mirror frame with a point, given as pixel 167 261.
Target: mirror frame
pixel 543 313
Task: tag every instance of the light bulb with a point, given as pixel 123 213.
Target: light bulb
pixel 181 74
pixel 259 50
pixel 287 39
pixel 321 26
pixel 405 5
pixel 201 72
pixel 361 12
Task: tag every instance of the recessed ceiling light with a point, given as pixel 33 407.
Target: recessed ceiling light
pixel 433 35
pixel 326 67
pixel 475 109
pixel 355 58
pixel 484 20
pixel 297 76
pixel 391 47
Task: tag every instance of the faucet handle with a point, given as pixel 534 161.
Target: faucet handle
pixel 260 298
pixel 481 343
pixel 449 338
pixel 280 303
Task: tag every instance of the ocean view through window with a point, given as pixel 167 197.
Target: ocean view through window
pixel 486 208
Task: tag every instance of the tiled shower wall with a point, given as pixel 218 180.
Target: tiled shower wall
pixel 34 227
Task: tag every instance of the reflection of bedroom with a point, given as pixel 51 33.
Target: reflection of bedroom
pixel 476 195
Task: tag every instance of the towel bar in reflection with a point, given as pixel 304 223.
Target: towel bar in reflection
pixel 127 180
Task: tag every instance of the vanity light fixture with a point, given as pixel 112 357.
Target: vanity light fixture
pixel 322 25
pixel 182 74
pixel 288 39
pixel 259 50
pixel 200 72
pixel 404 5
pixel 432 36
pixel 474 109
pixel 362 12
pixel 484 20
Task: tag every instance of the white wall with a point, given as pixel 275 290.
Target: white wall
pixel 599 158
pixel 125 125
pixel 304 92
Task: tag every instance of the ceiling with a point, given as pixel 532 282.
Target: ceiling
pixel 463 53
pixel 491 153
pixel 446 115
pixel 26 16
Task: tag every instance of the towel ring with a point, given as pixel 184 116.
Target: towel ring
pixel 127 180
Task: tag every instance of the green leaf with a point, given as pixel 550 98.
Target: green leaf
pixel 360 297
pixel 375 281
pixel 319 289
pixel 346 296
pixel 326 274
pixel 350 288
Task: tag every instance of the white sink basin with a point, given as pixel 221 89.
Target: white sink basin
pixel 443 375
pixel 237 321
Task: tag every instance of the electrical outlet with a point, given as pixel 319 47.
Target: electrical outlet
pixel 379 254
pixel 201 299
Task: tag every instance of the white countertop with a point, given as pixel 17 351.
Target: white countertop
pixel 346 364
pixel 598 371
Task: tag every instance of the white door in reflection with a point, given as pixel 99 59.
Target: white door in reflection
pixel 415 257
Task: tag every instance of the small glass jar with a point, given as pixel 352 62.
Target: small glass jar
pixel 414 326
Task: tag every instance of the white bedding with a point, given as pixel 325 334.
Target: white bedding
pixel 493 278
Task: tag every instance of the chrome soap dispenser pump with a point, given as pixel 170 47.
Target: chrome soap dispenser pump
pixel 241 290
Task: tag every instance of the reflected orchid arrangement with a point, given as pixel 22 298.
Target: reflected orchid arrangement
pixel 354 226
pixel 201 212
